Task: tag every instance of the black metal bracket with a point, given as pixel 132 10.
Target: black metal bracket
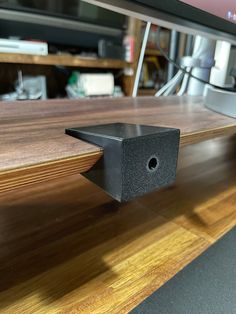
pixel 137 159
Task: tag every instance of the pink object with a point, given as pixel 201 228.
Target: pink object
pixel 129 48
pixel 225 9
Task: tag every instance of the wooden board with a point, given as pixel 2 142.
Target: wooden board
pixel 146 92
pixel 34 147
pixel 65 60
pixel 153 52
pixel 66 247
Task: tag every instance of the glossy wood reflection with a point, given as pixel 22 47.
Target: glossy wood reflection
pixel 67 247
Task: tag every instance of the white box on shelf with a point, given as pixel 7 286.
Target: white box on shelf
pixel 97 84
pixel 23 46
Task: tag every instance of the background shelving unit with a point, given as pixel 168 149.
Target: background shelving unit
pixel 63 60
pixel 155 65
pixel 45 65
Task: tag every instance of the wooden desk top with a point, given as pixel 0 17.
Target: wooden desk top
pixel 66 247
pixel 34 147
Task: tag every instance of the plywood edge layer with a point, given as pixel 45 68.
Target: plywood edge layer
pixel 21 177
pixel 200 136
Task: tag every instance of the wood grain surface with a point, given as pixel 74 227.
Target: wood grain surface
pixel 35 148
pixel 67 247
pixel 65 60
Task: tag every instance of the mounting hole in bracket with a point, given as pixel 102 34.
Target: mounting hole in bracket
pixel 153 164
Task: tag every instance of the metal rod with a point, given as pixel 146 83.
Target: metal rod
pixel 172 54
pixel 189 45
pixel 140 61
pixel 204 50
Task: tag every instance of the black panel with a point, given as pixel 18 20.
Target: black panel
pixel 54 34
pixel 75 10
pixel 190 13
pixel 206 286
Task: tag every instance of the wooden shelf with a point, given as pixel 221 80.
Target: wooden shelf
pixel 146 92
pixel 34 147
pixel 152 52
pixel 64 60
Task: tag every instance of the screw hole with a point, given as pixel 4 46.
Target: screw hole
pixel 153 164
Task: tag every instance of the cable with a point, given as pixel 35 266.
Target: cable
pixel 184 84
pixel 141 58
pixel 172 88
pixel 169 84
pixel 182 69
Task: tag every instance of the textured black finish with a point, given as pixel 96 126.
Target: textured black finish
pixel 206 286
pixel 137 158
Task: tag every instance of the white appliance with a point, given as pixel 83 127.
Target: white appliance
pixel 23 46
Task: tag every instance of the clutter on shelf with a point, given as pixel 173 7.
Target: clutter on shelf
pixel 81 85
pixel 27 88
